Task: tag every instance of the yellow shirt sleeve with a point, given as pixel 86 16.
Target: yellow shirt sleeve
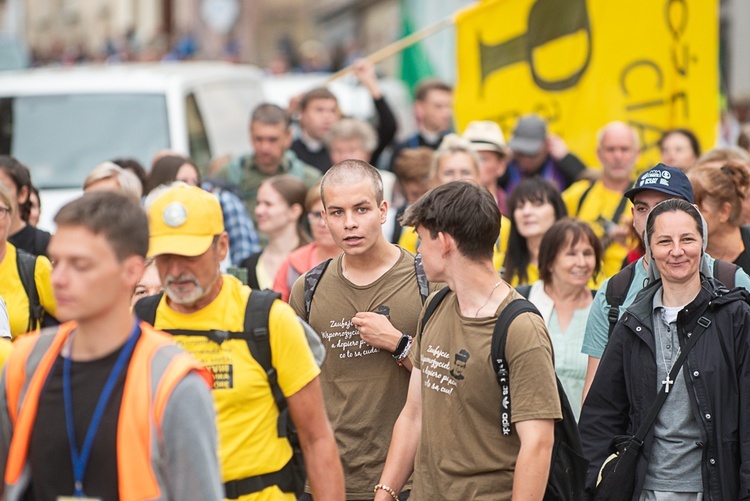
pixel 290 352
pixel 573 194
pixel 6 348
pixel 43 279
pixel 408 239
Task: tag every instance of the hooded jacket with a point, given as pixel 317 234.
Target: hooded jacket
pixel 717 376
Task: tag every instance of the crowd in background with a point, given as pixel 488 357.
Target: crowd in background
pixel 566 228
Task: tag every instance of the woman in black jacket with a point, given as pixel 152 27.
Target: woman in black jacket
pixel 699 445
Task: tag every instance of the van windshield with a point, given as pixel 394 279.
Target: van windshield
pixel 62 137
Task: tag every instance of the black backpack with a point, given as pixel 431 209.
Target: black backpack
pixel 567 476
pixel 38 317
pixel 312 278
pixel 619 285
pixel 291 478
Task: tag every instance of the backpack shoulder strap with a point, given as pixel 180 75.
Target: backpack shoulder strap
pixel 583 198
pixel 257 313
pixel 432 306
pixel 26 264
pixel 422 282
pixel 145 308
pixel 724 272
pixel 620 208
pixel 250 264
pixel 499 362
pixel 617 291
pixel 312 278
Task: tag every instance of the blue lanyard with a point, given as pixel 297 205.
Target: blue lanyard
pixel 81 459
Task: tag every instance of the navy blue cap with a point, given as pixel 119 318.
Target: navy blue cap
pixel 665 179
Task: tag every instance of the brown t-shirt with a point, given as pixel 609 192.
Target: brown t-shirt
pixel 462 453
pixel 363 387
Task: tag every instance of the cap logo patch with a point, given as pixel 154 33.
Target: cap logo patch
pixel 655 177
pixel 174 215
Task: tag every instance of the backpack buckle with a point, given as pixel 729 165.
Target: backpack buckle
pixel 260 333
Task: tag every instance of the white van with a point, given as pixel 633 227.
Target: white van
pixel 61 122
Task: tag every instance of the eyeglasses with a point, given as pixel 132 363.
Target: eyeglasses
pixel 316 214
pixel 4 211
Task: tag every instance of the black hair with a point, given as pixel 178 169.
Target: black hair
pixel 517 256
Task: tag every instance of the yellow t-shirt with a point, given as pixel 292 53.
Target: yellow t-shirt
pixel 600 203
pixel 409 239
pixel 246 412
pixel 6 348
pixel 532 275
pixel 11 290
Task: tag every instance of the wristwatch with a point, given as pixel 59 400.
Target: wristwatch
pixel 403 344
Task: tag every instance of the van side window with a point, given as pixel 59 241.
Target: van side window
pixel 200 151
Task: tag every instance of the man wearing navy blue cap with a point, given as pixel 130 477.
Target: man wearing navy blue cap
pixel 660 183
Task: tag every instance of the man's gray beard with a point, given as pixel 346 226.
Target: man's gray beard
pixel 197 293
pixel 185 300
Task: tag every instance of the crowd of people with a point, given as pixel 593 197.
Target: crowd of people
pixel 210 333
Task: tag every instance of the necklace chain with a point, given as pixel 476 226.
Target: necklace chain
pixel 488 297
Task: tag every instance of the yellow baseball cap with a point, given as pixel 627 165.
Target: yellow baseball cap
pixel 184 221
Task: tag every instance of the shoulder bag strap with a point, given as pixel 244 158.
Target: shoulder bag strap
pixel 703 323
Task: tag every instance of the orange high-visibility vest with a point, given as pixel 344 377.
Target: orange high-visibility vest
pixel 144 399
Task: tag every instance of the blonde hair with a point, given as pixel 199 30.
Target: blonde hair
pixel 450 145
pixel 126 180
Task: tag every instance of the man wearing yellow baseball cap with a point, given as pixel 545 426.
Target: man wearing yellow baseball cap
pixel 219 320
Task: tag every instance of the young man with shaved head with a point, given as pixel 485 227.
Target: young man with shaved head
pixel 366 307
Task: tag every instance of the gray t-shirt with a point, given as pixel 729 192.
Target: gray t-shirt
pixel 675 461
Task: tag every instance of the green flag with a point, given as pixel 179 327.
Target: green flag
pixel 415 63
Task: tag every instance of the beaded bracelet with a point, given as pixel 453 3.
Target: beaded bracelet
pixel 386 489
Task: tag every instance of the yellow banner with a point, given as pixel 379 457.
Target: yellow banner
pixel 580 64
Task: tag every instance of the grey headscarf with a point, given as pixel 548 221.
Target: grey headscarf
pixel 675 204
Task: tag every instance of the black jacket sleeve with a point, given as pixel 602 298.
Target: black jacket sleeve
pixel 570 167
pixel 606 410
pixel 386 128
